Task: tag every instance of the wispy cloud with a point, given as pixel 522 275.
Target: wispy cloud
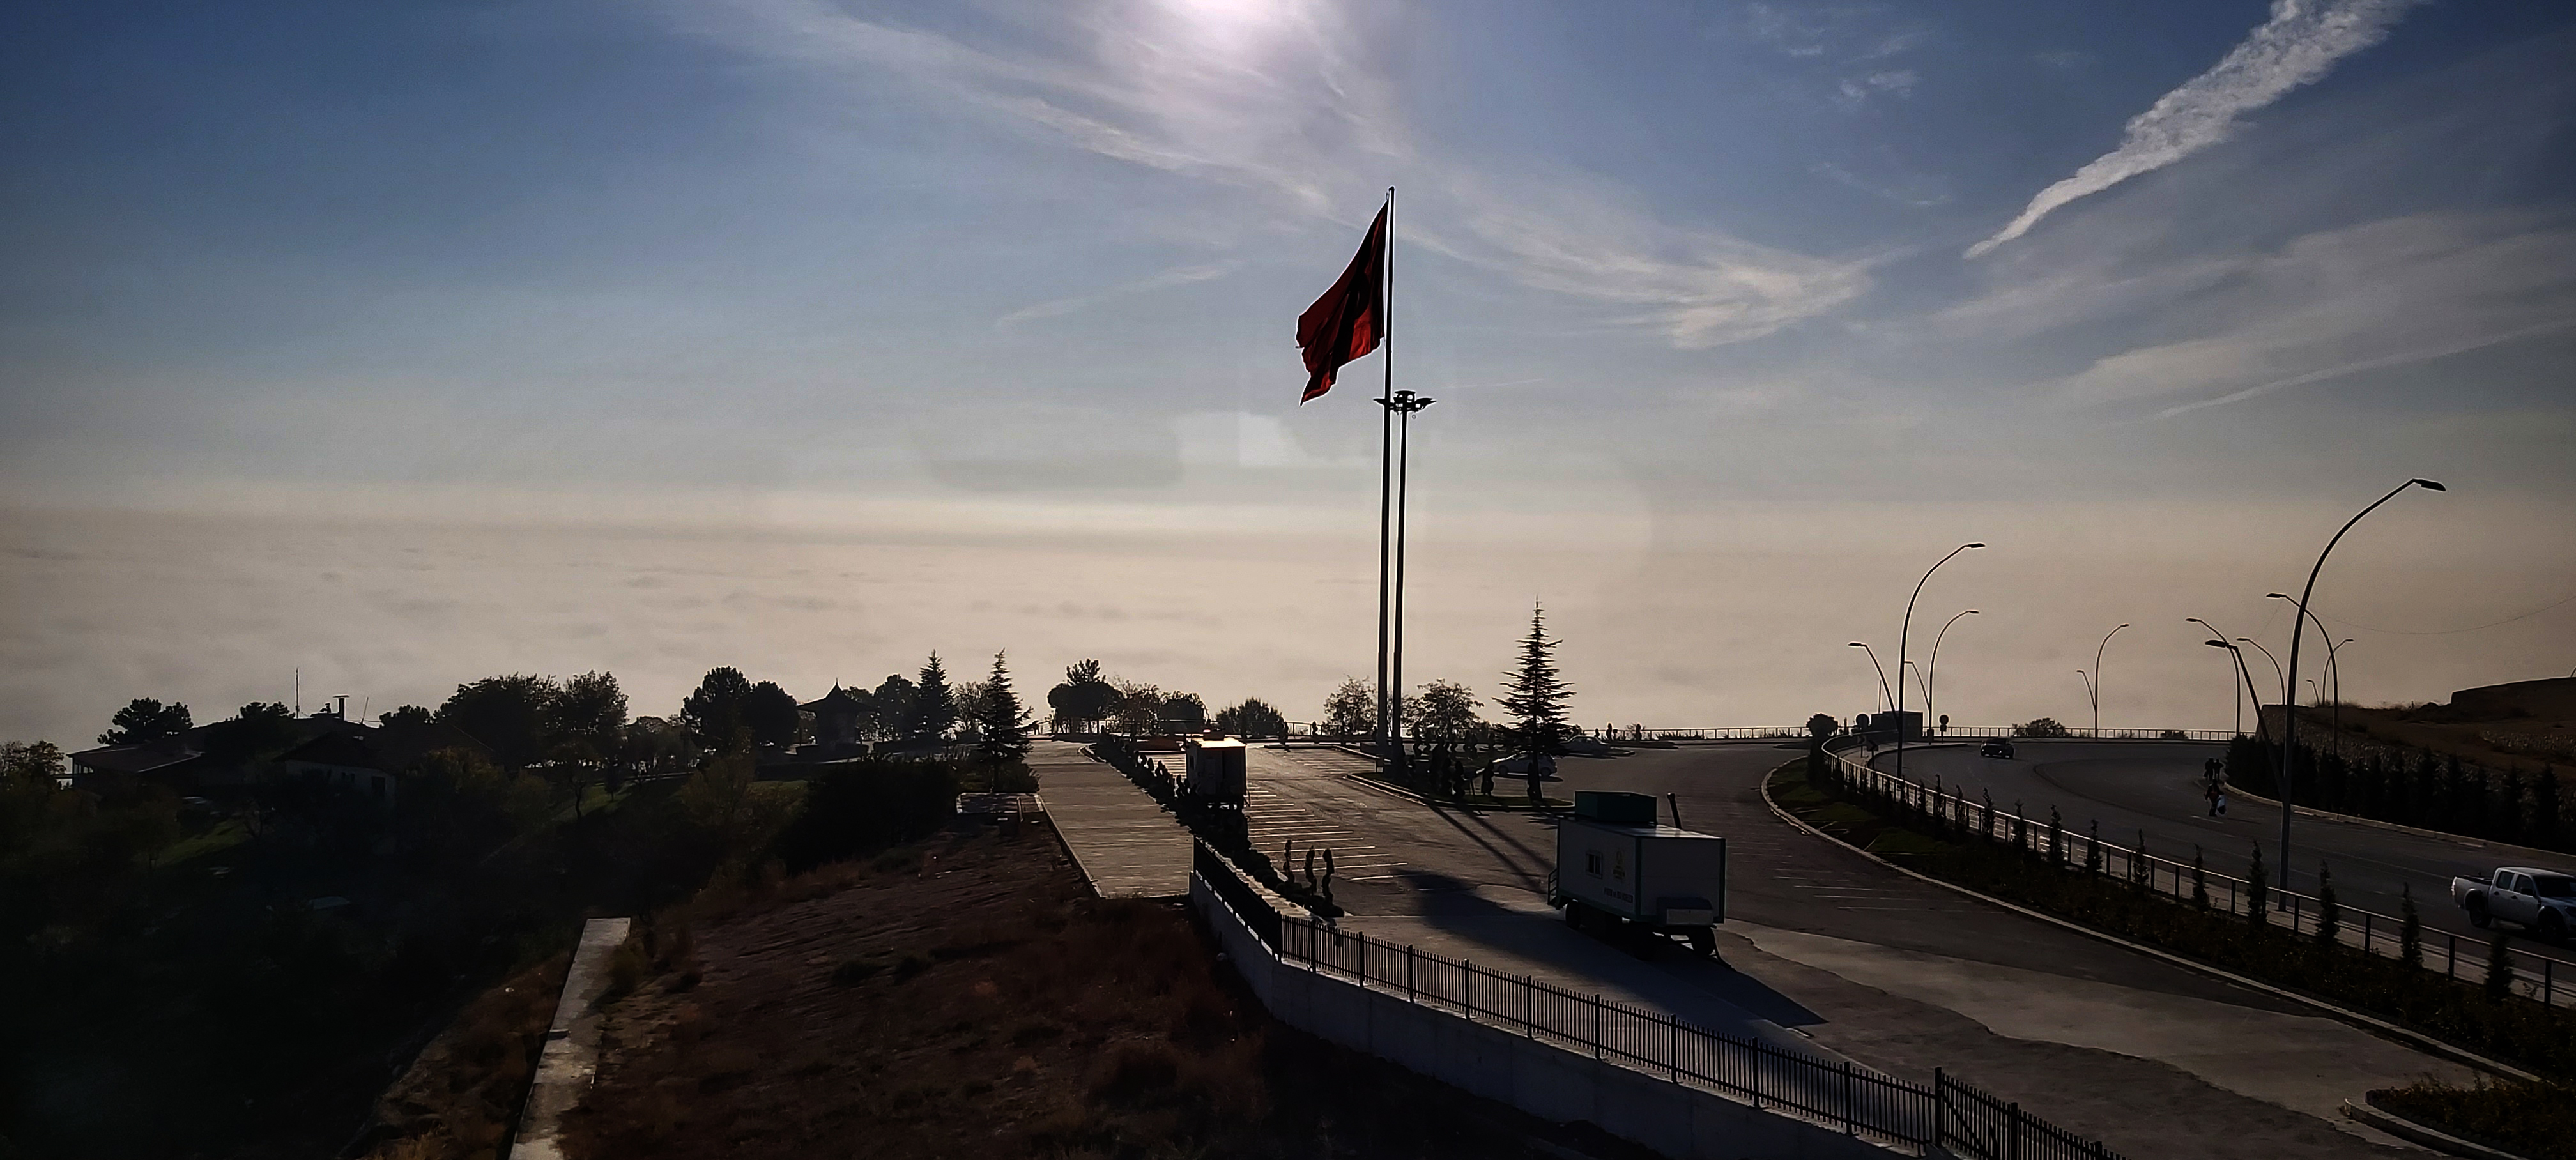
pixel 2297 46
pixel 1269 101
pixel 1178 276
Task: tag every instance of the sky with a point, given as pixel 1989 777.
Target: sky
pixel 395 345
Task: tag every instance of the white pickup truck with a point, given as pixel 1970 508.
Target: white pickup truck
pixel 2542 901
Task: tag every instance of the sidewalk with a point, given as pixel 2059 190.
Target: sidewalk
pixel 1121 839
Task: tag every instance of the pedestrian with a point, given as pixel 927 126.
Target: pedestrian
pixel 2209 791
pixel 2222 800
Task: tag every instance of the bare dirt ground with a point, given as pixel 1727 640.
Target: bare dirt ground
pixel 969 998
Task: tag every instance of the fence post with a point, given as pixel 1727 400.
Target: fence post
pixel 1529 1006
pixel 1363 960
pixel 1310 942
pixel 1408 972
pixel 2365 932
pixel 1467 986
pixel 1850 1125
pixel 2452 971
pixel 1940 1106
pixel 2548 985
pixel 2015 1148
pixel 1596 1025
pixel 1673 1046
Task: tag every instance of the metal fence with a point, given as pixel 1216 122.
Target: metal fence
pixel 1938 734
pixel 1834 1093
pixel 2535 976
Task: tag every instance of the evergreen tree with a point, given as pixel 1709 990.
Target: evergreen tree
pixel 1003 726
pixel 2257 888
pixel 2410 927
pixel 2329 913
pixel 2499 981
pixel 893 701
pixel 145 719
pixel 2544 809
pixel 1533 694
pixel 934 704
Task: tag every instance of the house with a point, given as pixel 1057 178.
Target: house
pixel 373 762
pixel 116 770
pixel 837 716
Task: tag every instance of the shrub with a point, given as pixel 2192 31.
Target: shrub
pixel 860 808
pixel 2041 727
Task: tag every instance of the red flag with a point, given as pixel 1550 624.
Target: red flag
pixel 1350 319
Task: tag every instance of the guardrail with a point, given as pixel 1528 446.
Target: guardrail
pixel 2535 976
pixel 1854 1100
pixel 1937 735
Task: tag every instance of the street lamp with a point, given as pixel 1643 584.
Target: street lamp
pixel 2093 684
pixel 1901 633
pixel 2290 727
pixel 2277 674
pixel 1934 669
pixel 1884 698
pixel 2248 674
pixel 2233 691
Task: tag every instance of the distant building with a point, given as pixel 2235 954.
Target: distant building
pixel 213 761
pixel 837 716
pixel 374 762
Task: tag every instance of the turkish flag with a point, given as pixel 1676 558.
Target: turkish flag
pixel 1350 319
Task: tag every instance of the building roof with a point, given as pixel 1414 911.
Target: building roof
pixel 392 749
pixel 839 700
pixel 166 755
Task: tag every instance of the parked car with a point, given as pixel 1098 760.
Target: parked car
pixel 2543 901
pixel 2000 748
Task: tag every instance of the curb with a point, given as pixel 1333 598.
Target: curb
pixel 2417 1132
pixel 2369 1023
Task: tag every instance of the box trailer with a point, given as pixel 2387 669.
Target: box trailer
pixel 1212 770
pixel 1618 866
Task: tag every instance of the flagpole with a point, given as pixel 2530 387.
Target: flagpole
pixel 1386 469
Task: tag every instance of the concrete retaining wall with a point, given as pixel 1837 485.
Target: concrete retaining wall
pixel 1537 1077
pixel 571 1057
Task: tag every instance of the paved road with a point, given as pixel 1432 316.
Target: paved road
pixel 1829 947
pixel 2153 786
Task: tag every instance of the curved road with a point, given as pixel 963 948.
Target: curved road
pixel 1830 947
pixel 2153 786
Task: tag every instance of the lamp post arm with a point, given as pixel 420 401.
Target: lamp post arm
pixel 1905 628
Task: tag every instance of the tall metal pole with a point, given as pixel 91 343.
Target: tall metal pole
pixel 2290 726
pixel 1884 697
pixel 1932 671
pixel 2260 730
pixel 1404 403
pixel 1901 633
pixel 2096 682
pixel 1386 463
pixel 2233 690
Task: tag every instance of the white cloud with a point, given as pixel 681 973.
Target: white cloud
pixel 1177 276
pixel 1270 104
pixel 2297 46
pixel 2341 302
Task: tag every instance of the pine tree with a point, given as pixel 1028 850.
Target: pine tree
pixel 2257 889
pixel 934 704
pixel 2410 928
pixel 2329 913
pixel 2499 981
pixel 1004 725
pixel 2544 809
pixel 1533 694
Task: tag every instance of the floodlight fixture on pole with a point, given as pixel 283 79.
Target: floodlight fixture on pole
pixel 1400 405
pixel 2290 713
pixel 2235 693
pixel 1885 698
pixel 1904 630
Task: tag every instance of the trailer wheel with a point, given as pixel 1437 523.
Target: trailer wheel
pixel 1704 942
pixel 1574 914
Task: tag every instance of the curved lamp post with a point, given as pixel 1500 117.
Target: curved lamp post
pixel 2093 684
pixel 2233 691
pixel 2290 713
pixel 1884 697
pixel 2277 674
pixel 1933 669
pixel 2260 729
pixel 1901 633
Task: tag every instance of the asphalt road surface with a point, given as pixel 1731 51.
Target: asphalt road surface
pixel 2154 786
pixel 1831 950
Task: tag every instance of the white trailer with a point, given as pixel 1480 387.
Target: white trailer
pixel 1212 770
pixel 1617 866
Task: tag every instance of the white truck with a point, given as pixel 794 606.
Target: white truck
pixel 1212 771
pixel 2541 901
pixel 1618 867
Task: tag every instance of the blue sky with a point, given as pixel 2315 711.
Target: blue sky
pixel 988 269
